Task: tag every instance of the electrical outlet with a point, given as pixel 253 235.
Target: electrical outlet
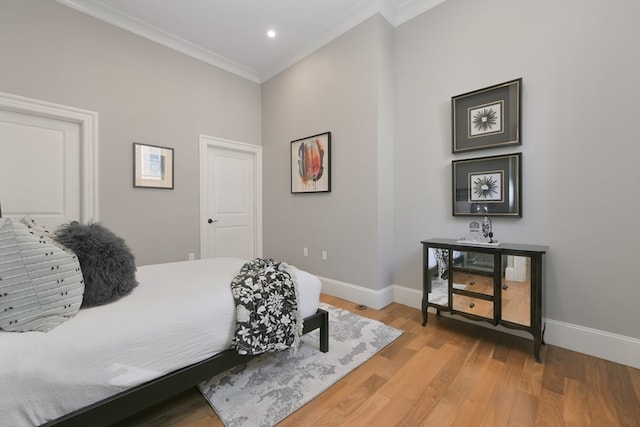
pixel 324 255
pixel 192 256
pixel 305 251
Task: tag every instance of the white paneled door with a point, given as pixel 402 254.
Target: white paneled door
pixel 40 168
pixel 230 199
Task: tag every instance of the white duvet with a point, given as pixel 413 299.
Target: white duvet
pixel 179 314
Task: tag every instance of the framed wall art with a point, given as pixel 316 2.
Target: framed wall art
pixel 152 166
pixel 490 186
pixel 311 164
pixel 487 118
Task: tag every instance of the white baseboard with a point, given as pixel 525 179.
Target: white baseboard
pixel 357 294
pixel 605 345
pixel 593 342
pixel 407 296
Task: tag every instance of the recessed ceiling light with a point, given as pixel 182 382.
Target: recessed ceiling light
pixel 271 34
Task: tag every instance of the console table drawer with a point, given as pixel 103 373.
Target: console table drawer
pixel 476 306
pixel 474 283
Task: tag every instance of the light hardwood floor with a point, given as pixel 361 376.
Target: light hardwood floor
pixel 451 373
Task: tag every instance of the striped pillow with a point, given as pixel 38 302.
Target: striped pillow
pixel 41 284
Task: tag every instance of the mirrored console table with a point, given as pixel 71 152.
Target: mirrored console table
pixel 501 285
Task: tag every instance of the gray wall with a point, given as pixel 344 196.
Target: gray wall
pixel 344 87
pixel 580 62
pixel 143 92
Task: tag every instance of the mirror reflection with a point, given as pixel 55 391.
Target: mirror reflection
pixel 516 289
pixel 438 276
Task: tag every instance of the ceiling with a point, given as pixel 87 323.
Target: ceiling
pixel 231 34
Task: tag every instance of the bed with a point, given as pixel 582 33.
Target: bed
pixel 173 331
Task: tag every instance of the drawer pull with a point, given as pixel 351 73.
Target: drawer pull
pixel 472 305
pixel 505 287
pixel 472 282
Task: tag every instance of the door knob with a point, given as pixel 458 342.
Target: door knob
pixel 211 221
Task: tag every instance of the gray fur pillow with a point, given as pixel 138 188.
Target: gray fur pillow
pixel 107 263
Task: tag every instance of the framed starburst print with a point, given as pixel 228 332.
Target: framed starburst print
pixel 487 118
pixel 487 186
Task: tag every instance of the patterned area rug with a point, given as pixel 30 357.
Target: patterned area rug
pixel 272 386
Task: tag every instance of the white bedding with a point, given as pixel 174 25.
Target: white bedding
pixel 179 314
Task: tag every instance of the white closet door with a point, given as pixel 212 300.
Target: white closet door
pixel 230 199
pixel 231 204
pixel 40 168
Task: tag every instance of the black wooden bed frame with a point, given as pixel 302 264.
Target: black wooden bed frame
pixel 143 396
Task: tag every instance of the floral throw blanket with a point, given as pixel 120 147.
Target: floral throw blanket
pixel 267 317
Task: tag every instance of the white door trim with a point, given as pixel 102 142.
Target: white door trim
pixel 256 151
pixel 88 121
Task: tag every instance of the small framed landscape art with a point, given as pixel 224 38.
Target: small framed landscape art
pixel 487 118
pixel 311 164
pixel 487 186
pixel 152 166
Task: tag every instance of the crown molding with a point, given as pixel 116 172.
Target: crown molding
pixel 104 13
pixel 396 12
pixel 405 10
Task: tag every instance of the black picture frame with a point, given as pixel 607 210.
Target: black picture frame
pixel 311 164
pixel 487 118
pixel 487 186
pixel 152 166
